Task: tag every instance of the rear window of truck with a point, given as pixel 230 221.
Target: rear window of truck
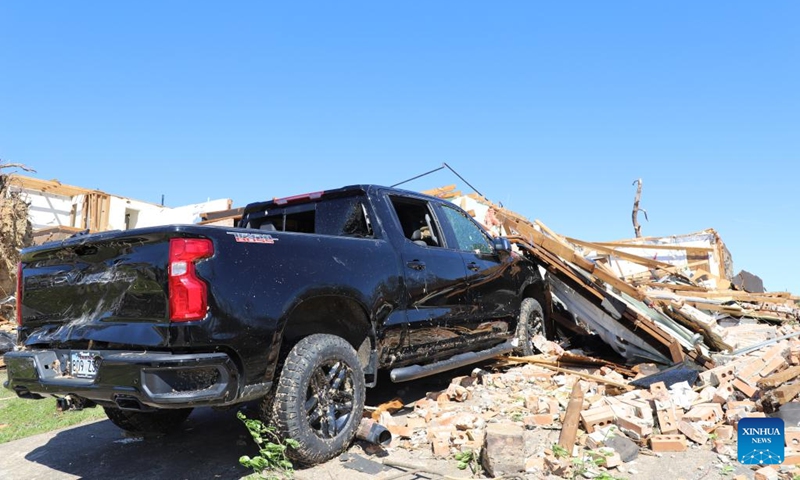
pixel 347 216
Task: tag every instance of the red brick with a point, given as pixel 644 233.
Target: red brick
pixel 744 387
pixel 693 431
pixel 441 447
pixel 723 393
pixel 597 417
pixel 718 375
pixel 776 363
pixel 634 426
pixel 416 423
pixel 751 369
pixel 667 421
pixel 766 473
pixel 399 431
pixel 791 458
pixel 659 391
pixel 704 412
pixel 668 443
pixel 724 432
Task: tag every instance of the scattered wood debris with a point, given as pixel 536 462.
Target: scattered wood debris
pixel 658 302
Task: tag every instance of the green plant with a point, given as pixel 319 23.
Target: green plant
pixel 468 458
pixel 727 470
pixel 517 417
pixel 589 463
pixel 559 451
pixel 271 456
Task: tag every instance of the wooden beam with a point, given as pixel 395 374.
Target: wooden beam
pixel 46 186
pixel 780 377
pixel 569 428
pixel 594 378
pixel 627 256
pixel 654 247
pixel 786 393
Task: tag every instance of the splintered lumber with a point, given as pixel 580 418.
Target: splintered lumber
pixel 699 322
pixel 569 429
pixel 785 394
pixel 779 378
pixel 655 247
pixel 587 376
pixel 648 262
pixel 645 328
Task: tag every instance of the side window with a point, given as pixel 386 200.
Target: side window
pixel 344 217
pixel 469 237
pixel 417 221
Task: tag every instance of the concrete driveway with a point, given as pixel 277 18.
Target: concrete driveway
pixel 209 446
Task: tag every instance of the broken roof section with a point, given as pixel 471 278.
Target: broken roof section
pixel 57 210
pixel 660 299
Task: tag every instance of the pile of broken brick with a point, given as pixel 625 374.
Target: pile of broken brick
pixel 518 415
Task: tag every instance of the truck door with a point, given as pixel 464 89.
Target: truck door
pixel 491 280
pixel 435 280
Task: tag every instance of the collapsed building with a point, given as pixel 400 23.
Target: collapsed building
pixel 659 299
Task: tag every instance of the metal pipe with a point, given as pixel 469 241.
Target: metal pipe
pixel 373 432
pixel 758 346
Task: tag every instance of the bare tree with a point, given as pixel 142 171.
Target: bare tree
pixel 637 229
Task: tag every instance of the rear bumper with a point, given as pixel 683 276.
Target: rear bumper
pixel 128 380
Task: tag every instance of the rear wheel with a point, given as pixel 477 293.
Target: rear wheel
pixel 319 399
pixel 155 422
pixel 531 323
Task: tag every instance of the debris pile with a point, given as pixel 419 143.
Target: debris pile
pixel 697 354
pixel 574 416
pixel 657 299
pixel 15 234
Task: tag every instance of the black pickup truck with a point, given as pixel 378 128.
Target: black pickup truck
pixel 299 306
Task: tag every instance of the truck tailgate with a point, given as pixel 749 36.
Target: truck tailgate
pixel 97 288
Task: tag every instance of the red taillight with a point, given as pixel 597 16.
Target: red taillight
pixel 297 198
pixel 188 297
pixel 19 294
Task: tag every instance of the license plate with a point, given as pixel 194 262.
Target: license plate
pixel 83 365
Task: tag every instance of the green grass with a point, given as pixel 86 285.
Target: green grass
pixel 20 418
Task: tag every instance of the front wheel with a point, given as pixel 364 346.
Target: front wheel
pixel 531 323
pixel 319 399
pixel 155 422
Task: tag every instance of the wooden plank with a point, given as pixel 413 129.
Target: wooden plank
pixel 435 192
pixel 46 186
pixel 676 287
pixel 786 393
pixel 569 428
pixel 627 256
pixel 587 376
pixel 553 234
pixel 780 377
pixel 654 247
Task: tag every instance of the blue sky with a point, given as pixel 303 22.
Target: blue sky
pixel 552 108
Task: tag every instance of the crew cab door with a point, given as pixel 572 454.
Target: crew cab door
pixel 490 274
pixel 437 298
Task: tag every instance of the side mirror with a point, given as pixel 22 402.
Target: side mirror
pixel 501 244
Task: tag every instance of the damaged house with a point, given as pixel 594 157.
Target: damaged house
pixel 656 299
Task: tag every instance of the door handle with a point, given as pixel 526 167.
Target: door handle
pixel 473 266
pixel 416 265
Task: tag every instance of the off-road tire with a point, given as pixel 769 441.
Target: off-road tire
pixel 319 400
pixel 531 323
pixel 156 422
